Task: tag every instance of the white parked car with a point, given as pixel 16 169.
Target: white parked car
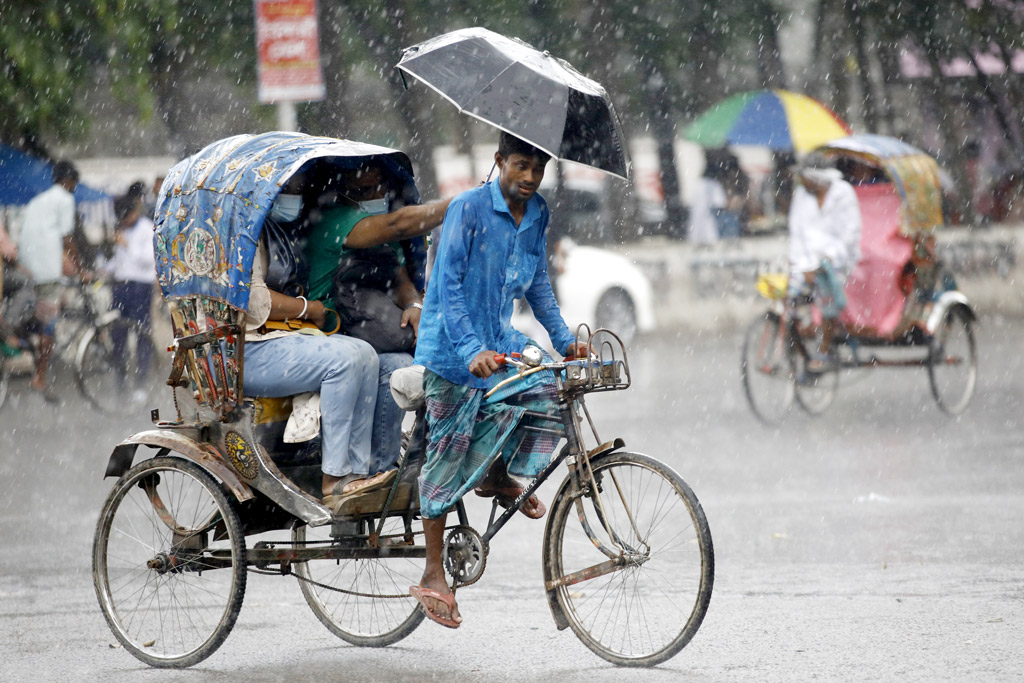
pixel 600 288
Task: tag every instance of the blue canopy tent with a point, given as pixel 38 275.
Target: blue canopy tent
pixel 22 177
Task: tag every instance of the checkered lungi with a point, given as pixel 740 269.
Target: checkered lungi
pixel 468 434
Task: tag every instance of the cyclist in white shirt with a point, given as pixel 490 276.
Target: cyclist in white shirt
pixel 824 243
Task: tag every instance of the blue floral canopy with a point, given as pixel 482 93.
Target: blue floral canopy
pixel 212 205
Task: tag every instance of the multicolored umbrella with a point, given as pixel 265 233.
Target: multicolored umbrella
pixel 779 119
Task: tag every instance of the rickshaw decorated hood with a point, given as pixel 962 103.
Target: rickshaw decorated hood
pixel 914 174
pixel 212 206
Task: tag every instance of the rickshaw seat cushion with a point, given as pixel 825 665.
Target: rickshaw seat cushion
pixel 407 387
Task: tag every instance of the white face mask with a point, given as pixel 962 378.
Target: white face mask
pixel 374 206
pixel 286 207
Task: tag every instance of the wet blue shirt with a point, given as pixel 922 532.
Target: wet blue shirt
pixel 484 263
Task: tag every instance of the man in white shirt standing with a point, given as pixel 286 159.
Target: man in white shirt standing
pixel 824 243
pixel 44 242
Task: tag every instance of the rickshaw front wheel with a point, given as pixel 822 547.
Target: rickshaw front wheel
pixel 169 562
pixel 766 369
pixel 640 597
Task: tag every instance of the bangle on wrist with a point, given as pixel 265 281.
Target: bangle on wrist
pixel 305 305
pixel 414 304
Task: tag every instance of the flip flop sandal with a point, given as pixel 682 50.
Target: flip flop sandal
pixel 419 593
pixel 368 483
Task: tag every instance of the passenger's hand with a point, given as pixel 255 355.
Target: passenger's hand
pixel 411 316
pixel 483 364
pixel 809 276
pixel 578 350
pixel 317 313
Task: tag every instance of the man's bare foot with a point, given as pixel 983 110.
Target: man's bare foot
pixel 507 492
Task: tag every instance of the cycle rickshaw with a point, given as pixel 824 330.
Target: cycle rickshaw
pixel 627 554
pixel 903 308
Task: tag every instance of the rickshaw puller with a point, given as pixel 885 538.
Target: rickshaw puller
pixel 491 253
pixel 824 244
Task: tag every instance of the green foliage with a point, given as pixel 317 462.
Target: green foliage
pixel 49 50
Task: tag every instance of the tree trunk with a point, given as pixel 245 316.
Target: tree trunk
pixel 858 36
pixel 891 77
pixel 330 116
pixel 769 56
pixel 1002 117
pixel 951 158
pixel 816 85
pixel 664 131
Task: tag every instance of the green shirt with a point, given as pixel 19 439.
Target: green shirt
pixel 325 247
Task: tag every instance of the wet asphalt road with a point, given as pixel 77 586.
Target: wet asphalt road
pixel 882 541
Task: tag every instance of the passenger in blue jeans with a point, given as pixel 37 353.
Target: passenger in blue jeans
pixel 342 369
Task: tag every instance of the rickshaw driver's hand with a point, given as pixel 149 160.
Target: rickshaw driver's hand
pixel 577 350
pixel 483 364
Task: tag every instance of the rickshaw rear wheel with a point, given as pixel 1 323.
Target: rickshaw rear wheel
pixel 953 361
pixel 766 369
pixel 365 601
pixel 169 562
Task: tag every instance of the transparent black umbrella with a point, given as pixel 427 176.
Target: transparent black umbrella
pixel 523 91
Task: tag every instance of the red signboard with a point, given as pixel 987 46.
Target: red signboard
pixel 287 42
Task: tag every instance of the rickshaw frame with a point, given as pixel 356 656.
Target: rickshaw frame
pixel 220 458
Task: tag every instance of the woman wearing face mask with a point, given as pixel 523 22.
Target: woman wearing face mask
pixel 361 221
pixel 342 369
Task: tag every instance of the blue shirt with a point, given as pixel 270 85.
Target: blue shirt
pixel 484 263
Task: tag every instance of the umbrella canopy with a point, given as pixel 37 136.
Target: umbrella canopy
pixel 22 177
pixel 212 205
pixel 778 119
pixel 530 94
pixel 914 174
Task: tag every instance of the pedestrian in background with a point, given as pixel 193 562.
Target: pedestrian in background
pixel 46 249
pixel 133 271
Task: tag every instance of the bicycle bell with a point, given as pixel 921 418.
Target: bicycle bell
pixel 532 356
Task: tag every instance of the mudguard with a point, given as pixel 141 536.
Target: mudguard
pixel 204 455
pixel 946 302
